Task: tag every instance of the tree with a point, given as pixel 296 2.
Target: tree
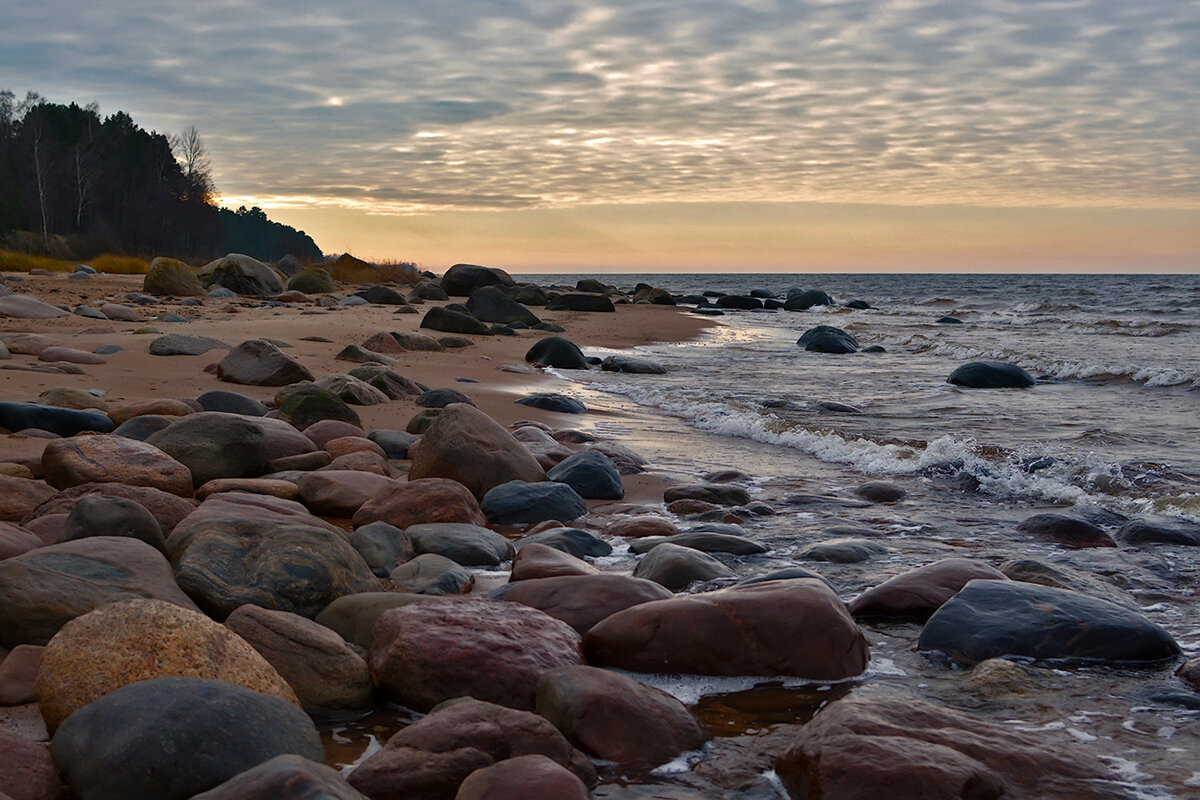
pixel 196 165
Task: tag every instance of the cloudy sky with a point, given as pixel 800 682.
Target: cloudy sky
pixel 696 134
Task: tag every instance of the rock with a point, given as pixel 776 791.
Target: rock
pixel 991 375
pixel 70 355
pixel 828 339
pixel 860 748
pixel 990 618
pixel 703 541
pixel 569 540
pixel 519 503
pixel 802 300
pixel 353 616
pixel 1067 530
pixel 323 432
pixel 419 501
pixel 469 545
pixel 522 778
pixel 429 652
pixel 428 290
pixel 947 320
pixel 440 398
pixel 20 496
pixel 163 407
pixel 919 592
pixel 341 493
pixel 309 404
pixel 286 490
pixel 581 302
pixel 740 302
pixel 27 771
pixel 421 421
pixel 135 640
pixel 43 589
pixel 100 515
pixel 615 718
pixel 382 546
pixel 630 364
pixel 1061 576
pixel 462 280
pixel 243 506
pixel 143 426
pixel 880 492
pixel 382 342
pixel 434 755
pixel 214 445
pixel 66 397
pixel 15 540
pixel 352 390
pixel 440 318
pixel 179 344
pixel 23 306
pixel 550 401
pixel 242 275
pixel 276 564
pixel 18 675
pixel 719 494
pixel 591 474
pixel 581 601
pixel 639 526
pixel 555 351
pixel 168 277
pixel 842 551
pixel 1188 672
pixel 790 627
pixel 394 444
pixel 418 341
pixel 257 362
pixel 432 574
pixel 168 509
pixel 63 421
pixel 1160 530
pixel 317 664
pixel 466 445
pixel 231 403
pixel 123 313
pixel 172 738
pixel 361 355
pixel 491 304
pixel 312 280
pixel 115 459
pixel 286 777
pixel 393 385
pixel 678 567
pixel 542 561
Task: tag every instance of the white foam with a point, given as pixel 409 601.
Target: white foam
pixel 689 689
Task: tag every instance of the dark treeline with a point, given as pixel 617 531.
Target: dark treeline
pixel 81 185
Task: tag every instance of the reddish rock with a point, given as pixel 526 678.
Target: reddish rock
pixel 49 529
pixel 303 462
pixel 420 501
pixel 793 627
pixel 542 561
pixel 20 496
pixel 169 509
pixel 613 717
pixel 341 492
pixel 523 778
pixel 919 592
pixel 432 757
pixel 466 445
pixel 636 527
pixel 26 770
pixel 429 652
pixel 584 600
pixel 344 445
pixel 361 462
pixel 113 459
pixel 1189 673
pixel 688 507
pixel 902 748
pixel 248 507
pixel 165 407
pixel 15 540
pixel 285 490
pixel 282 439
pixel 327 430
pixel 286 777
pixel 70 355
pixel 18 675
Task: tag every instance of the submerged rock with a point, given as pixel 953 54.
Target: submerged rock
pixel 828 339
pixel 991 375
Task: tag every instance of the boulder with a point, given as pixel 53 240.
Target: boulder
pixel 323 432
pixel 102 515
pixel 1160 530
pixel 531 777
pixel 991 618
pixel 828 339
pixel 352 390
pixel 861 748
pixel 678 567
pixel 440 398
pixel 429 652
pixel 382 546
pixel 428 290
pixel 421 500
pixel 316 662
pixel 286 777
pixel 394 385
pixel 615 718
pixel 1067 530
pixel 168 509
pixel 704 541
pixel 573 541
pixel 214 445
pixel 394 444
pixel 880 492
pixel 257 362
pixel 800 300
pixel 466 445
pixel 243 506
pixel 15 540
pixel 739 302
pixel 491 304
pixel 43 589
pixel 172 738
pixel 23 306
pixel 469 545
pixel 342 492
pixel 580 302
pixel 591 474
pixel 135 640
pixel 786 627
pixel 180 344
pixel 919 592
pixel 842 551
pixel 447 320
pixel 991 375
pixel 721 494
pixel 581 601
pixel 555 351
pixel 541 561
pixel 432 574
pixel 63 421
pixel 418 341
pixel 19 497
pixel 170 278
pixel 462 280
pixel 630 364
pixel 552 401
pixel 27 772
pixel 231 403
pixel 18 675
pixel 518 502
pixel 70 355
pixel 242 275
pixel 639 526
pixel 312 280
pixel 305 405
pixel 353 616
pixel 434 755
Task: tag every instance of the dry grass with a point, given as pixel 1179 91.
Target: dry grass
pixel 12 261
pixel 119 265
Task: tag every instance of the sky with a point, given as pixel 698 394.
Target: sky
pixel 694 135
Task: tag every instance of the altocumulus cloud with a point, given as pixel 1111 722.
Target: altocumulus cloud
pixel 511 103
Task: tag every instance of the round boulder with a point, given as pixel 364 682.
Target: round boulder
pixel 828 339
pixel 991 375
pixel 465 444
pixel 214 445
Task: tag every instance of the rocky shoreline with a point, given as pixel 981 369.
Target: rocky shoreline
pixel 241 507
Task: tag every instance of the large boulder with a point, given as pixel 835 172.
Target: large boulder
pixel 171 738
pixel 615 718
pixel 581 601
pixel 542 561
pixel 353 616
pixel 991 375
pixel 591 474
pixel 101 515
pixel 1160 530
pixel 581 302
pixel 990 618
pixel 43 589
pixel 382 546
pixel 722 494
pixel 276 564
pixel 447 320
pixel 312 280
pixel 677 567
pixel 231 403
pixel 168 509
pixel 257 362
pixel 574 541
pixel 168 277
pixel 26 771
pixel 469 545
pixel 433 756
pixel 113 459
pixel 241 274
pixel 531 777
pixel 828 339
pixel 421 500
pixel 1066 529
pixel 17 416
pixel 919 592
pixel 246 506
pixel 555 351
pixel 425 653
pixel 432 574
pixel 462 280
pixel 466 445
pixel 428 290
pixel 491 304
pixel 307 404
pixel 798 300
pixel 521 503
pixel 342 492
pixel 286 777
pixel 352 390
pixel 214 445
pixel 180 344
pixel 793 627
pixel 135 640
pixel 20 497
pixel 862 748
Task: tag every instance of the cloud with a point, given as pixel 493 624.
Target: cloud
pixel 511 103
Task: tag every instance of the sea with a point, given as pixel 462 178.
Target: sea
pixel 1111 430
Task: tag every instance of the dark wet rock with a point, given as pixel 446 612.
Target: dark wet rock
pixel 858 305
pixel 142 739
pixel 919 592
pixel 433 756
pixel 440 398
pixel 1189 673
pixel 534 561
pixel 286 777
pixel 447 320
pixel 462 280
pixel 719 494
pixel 1067 530
pixel 785 574
pixel 791 627
pixel 519 503
pixel 394 385
pixel 231 403
pixel 257 362
pixel 492 304
pixel 113 459
pixel 642 525
pixel 591 474
pixel 428 290
pixel 862 748
pixel 179 344
pixel 168 509
pixel 1061 576
pixel 1160 530
pixel 555 351
pixel 99 515
pixel 580 302
pixel 949 321
pixel 395 444
pixel 880 492
pixel 593 285
pixel 434 575
pixel 273 563
pixel 242 275
pixel 574 541
pixel 143 426
pixel 828 339
pixel 418 341
pixel 641 366
pixel 842 551
pixel 798 300
pixel 429 652
pixel 991 375
pixel 677 567
pixel 469 545
pixel 466 445
pixel 549 401
pixel 168 277
pixel 306 405
pixel 18 416
pixel 704 541
pixel 581 601
pixel 382 546
pixel 382 296
pixel 991 618
pixel 214 445
pixel 351 390
pixel 739 302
